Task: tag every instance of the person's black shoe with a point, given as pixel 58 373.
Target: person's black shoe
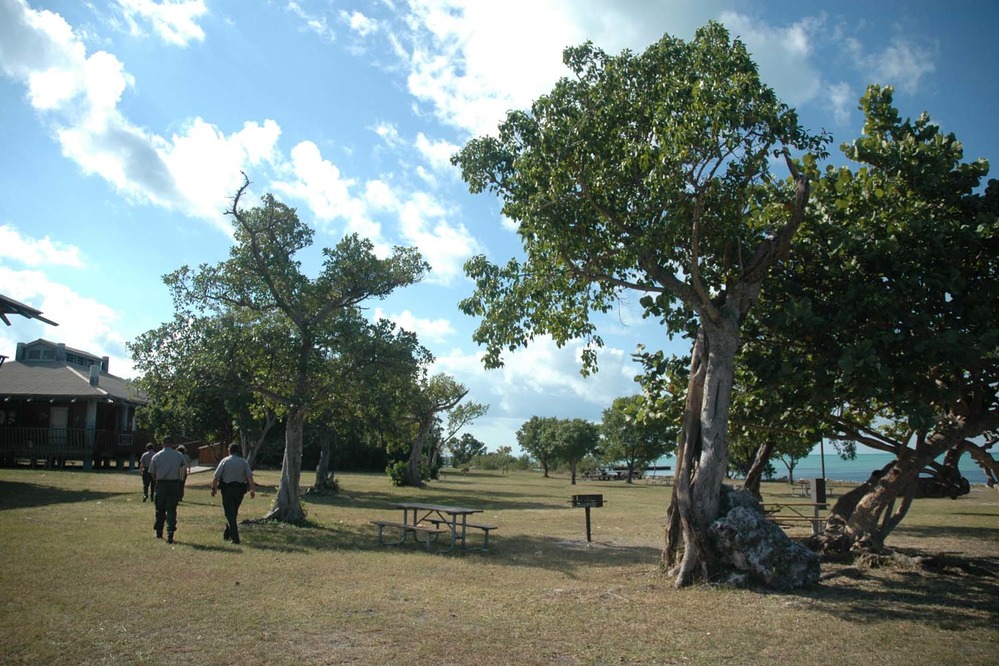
pixel 225 534
pixel 170 537
pixel 159 535
pixel 236 541
pixel 144 498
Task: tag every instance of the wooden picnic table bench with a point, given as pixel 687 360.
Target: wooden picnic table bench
pixel 658 480
pixel 772 511
pixel 433 520
pixel 479 526
pixel 419 528
pixel 801 488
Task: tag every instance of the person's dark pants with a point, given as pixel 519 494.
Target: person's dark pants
pixel 232 497
pixel 167 496
pixel 148 485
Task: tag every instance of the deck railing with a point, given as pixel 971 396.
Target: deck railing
pixel 69 443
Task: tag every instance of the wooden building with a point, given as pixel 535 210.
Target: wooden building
pixel 59 404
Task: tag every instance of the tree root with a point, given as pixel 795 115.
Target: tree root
pixel 947 564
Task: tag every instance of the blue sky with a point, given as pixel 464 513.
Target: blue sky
pixel 124 126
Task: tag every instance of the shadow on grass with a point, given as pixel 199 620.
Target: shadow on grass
pixel 487 500
pixel 15 495
pixel 949 602
pixel 556 554
pixel 948 531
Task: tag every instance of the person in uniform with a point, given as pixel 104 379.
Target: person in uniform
pixel 167 468
pixel 234 477
pixel 147 478
pixel 187 469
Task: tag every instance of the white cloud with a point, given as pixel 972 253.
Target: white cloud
pixel 84 323
pixel 433 330
pixel 37 251
pixel 359 23
pixel 783 54
pixel 424 224
pixel 379 195
pixel 841 97
pixel 175 21
pixel 902 63
pixel 436 153
pixel 193 172
pixel 41 50
pixel 320 184
pixel 450 48
pixel 426 176
pixel 314 23
pixel 540 380
pixel 205 164
pixel 453 64
pixel 388 132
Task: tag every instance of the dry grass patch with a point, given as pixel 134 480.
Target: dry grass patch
pixel 86 582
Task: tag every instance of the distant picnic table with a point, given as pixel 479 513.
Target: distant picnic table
pixel 432 520
pixel 621 474
pixel 791 513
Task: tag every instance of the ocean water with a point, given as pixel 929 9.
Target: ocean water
pixel 857 470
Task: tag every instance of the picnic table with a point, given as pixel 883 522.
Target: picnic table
pixel 800 512
pixel 432 520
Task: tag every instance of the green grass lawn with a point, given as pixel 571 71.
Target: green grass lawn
pixel 85 581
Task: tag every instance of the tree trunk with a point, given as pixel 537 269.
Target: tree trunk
pixel 413 476
pixel 697 492
pixel 288 503
pixel 982 458
pixel 687 452
pixel 323 484
pixel 863 518
pixel 434 455
pixel 755 474
pixel 865 524
pixel 252 446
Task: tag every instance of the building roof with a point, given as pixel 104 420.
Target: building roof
pixel 53 345
pixel 10 306
pixel 53 379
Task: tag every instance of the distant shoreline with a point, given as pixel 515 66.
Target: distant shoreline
pixel 857 470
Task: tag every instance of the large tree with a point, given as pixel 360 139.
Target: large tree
pixel 576 439
pixel 440 394
pixel 262 285
pixel 464 448
pixel 536 436
pixel 636 441
pixel 458 418
pixel 376 368
pixel 647 173
pixel 187 366
pixel 883 324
